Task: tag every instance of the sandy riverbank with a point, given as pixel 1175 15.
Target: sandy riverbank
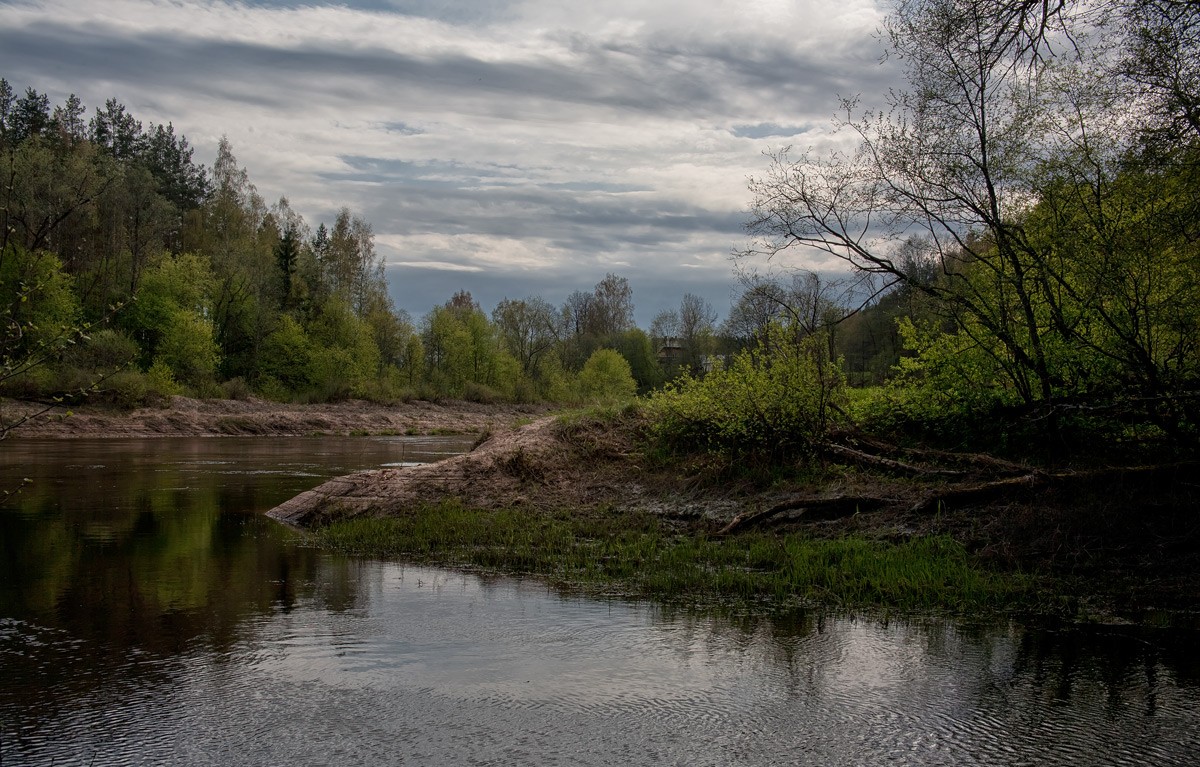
pixel 184 417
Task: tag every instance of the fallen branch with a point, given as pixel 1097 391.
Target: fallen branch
pixel 978 460
pixel 812 508
pixel 887 464
pixel 987 491
pixel 977 493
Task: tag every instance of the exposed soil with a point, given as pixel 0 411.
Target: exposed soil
pixel 1109 544
pixel 184 417
pixel 1108 541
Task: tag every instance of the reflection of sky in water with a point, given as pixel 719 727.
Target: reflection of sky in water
pixel 201 634
pixel 427 655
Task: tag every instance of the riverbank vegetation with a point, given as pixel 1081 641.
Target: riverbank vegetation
pixel 634 554
pixel 1012 361
pixel 1010 380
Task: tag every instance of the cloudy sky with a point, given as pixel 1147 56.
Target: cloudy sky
pixel 509 148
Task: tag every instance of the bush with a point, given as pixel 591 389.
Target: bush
pixel 161 381
pixel 477 392
pixel 107 350
pixel 127 389
pixel 271 388
pixel 187 347
pixel 947 388
pixel 774 400
pixel 286 356
pixel 236 389
pixel 606 377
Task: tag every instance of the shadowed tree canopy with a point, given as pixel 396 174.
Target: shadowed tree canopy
pixel 1018 183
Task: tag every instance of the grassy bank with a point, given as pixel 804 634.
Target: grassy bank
pixel 639 555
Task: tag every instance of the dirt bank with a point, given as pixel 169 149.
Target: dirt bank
pixel 543 464
pixel 184 417
pixel 1109 544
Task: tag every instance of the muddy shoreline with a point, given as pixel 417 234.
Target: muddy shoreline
pixel 1114 549
pixel 1109 551
pixel 185 417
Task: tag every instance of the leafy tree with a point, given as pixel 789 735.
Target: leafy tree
pixel 611 311
pixel 187 348
pixel 606 377
pixel 635 346
pixel 39 314
pixel 345 359
pixel 287 355
pixel 529 329
pixel 1004 171
pixel 175 295
pixel 352 270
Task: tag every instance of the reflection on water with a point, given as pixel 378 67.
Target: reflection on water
pixel 150 615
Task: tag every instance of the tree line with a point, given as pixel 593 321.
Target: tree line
pixel 1019 224
pixel 130 271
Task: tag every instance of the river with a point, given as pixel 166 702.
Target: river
pixel 150 614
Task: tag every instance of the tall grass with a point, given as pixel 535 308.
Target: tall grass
pixel 636 555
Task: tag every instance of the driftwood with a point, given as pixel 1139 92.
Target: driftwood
pixel 956 495
pixel 887 464
pixel 977 461
pixel 812 508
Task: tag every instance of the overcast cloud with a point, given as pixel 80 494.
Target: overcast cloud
pixel 506 148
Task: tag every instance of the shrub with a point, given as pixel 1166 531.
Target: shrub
pixel 606 377
pixel 477 392
pixel 107 350
pixel 160 380
pixel 773 400
pixel 127 389
pixel 236 389
pixel 188 348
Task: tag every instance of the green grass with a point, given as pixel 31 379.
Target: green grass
pixel 635 555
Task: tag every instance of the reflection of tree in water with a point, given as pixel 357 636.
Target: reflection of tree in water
pixel 1056 681
pixel 1128 665
pixel 117 568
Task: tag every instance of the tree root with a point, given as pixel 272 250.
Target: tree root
pixel 957 495
pixel 811 508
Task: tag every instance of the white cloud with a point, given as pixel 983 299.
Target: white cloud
pixel 503 139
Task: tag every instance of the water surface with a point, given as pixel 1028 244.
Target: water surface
pixel 149 614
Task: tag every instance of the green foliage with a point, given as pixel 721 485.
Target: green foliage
pixel 39 321
pixel 606 377
pixel 39 310
pixel 107 349
pixel 634 345
pixel 344 356
pixel 773 400
pixel 160 379
pixel 187 348
pixel 174 297
pixel 285 357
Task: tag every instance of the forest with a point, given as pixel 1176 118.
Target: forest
pixel 1019 230
pixel 131 272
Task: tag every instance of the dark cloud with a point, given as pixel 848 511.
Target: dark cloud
pixel 602 147
pixel 698 80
